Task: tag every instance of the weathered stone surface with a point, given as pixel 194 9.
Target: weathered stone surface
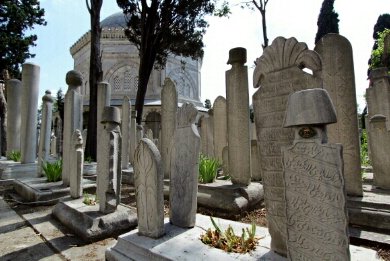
pixel 45 133
pixel 125 128
pixel 255 161
pixel 220 127
pixel 237 98
pixel 14 99
pixel 339 80
pixel 149 134
pixel 278 74
pixel 378 94
pixel 53 146
pixel 73 119
pixel 184 168
pixel 28 128
pixel 109 171
pixel 103 100
pixel 148 182
pixel 168 123
pixel 76 175
pixel 133 136
pixel 207 134
pixel 225 161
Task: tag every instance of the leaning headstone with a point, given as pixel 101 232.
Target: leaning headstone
pixel 125 128
pixel 183 186
pixel 168 122
pixel 28 128
pixel 149 186
pixel 45 133
pixel 76 174
pixel 109 171
pixel 339 80
pixel 220 127
pixel 316 210
pixel 278 73
pixel 73 119
pixel 14 99
pixel 207 134
pixel 237 98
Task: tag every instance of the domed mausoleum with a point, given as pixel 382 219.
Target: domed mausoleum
pixel 120 62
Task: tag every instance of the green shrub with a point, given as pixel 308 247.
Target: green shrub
pixel 364 150
pixel 14 155
pixel 208 168
pixel 53 171
pixel 89 199
pixel 376 55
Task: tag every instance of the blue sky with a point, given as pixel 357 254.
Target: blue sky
pixel 68 20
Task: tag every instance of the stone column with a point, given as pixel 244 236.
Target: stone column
pixel 149 185
pixel 14 98
pixel 76 172
pixel 237 97
pixel 28 128
pixel 255 167
pixel 109 173
pixel 103 100
pixel 126 125
pixel 339 80
pixel 168 122
pixel 45 133
pixel 207 134
pixel 183 186
pixel 220 127
pixel 133 136
pixel 53 146
pixel 73 119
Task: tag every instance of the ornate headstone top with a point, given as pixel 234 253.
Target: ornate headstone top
pixel 237 55
pixel 111 114
pixel 77 138
pixel 309 107
pixel 186 115
pixel 74 78
pixel 47 97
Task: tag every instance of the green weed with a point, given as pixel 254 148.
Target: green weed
pixel 53 171
pixel 208 168
pixel 14 155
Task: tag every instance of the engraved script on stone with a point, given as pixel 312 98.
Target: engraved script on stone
pixel 277 74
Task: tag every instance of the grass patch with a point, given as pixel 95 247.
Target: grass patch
pixel 365 161
pixel 14 155
pixel 52 171
pixel 208 168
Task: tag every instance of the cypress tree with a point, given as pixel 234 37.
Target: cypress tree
pixel 328 21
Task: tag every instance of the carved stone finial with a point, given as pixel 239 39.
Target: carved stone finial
pixel 74 78
pixel 111 114
pixel 77 138
pixel 237 55
pixel 47 97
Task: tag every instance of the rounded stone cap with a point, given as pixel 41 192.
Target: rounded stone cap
pixel 74 78
pixel 111 114
pixel 237 55
pixel 309 107
pixel 47 97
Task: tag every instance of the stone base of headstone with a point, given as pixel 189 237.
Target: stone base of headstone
pixel 89 168
pixel 128 176
pixel 131 246
pixel 15 170
pixel 89 223
pixel 226 198
pixel 39 190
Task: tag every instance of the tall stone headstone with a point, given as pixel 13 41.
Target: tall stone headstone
pixel 126 125
pixel 73 119
pixel 237 99
pixel 45 133
pixel 339 80
pixel 53 146
pixel 220 127
pixel 207 134
pixel 76 172
pixel 278 73
pixel 28 128
pixel 316 210
pixel 133 136
pixel 149 186
pixel 109 172
pixel 103 100
pixel 183 186
pixel 255 161
pixel 168 122
pixel 14 100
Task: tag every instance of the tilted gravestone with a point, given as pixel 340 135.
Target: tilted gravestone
pixel 44 135
pixel 277 74
pixel 339 80
pixel 109 173
pixel 316 211
pixel 149 186
pixel 168 122
pixel 76 171
pixel 73 119
pixel 183 186
pixel 220 126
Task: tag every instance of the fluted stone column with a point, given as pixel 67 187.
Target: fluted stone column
pixel 237 97
pixel 14 99
pixel 28 129
pixel 45 133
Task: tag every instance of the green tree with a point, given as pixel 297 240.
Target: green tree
pixel 160 27
pixel 328 21
pixel 207 104
pixel 260 5
pixel 95 75
pixel 378 56
pixel 16 18
pixel 58 105
pixel 382 23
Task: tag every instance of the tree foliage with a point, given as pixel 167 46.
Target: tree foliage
pixel 377 55
pixel 328 21
pixel 16 18
pixel 160 27
pixel 379 34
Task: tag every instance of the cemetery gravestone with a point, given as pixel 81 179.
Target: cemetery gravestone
pixel 220 126
pixel 45 133
pixel 14 98
pixel 76 175
pixel 126 121
pixel 207 133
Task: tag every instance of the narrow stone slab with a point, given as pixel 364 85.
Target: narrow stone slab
pixel 91 224
pixel 15 170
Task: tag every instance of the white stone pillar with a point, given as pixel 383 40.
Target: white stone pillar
pixel 28 129
pixel 237 97
pixel 133 136
pixel 126 121
pixel 103 100
pixel 45 133
pixel 76 172
pixel 220 127
pixel 14 98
